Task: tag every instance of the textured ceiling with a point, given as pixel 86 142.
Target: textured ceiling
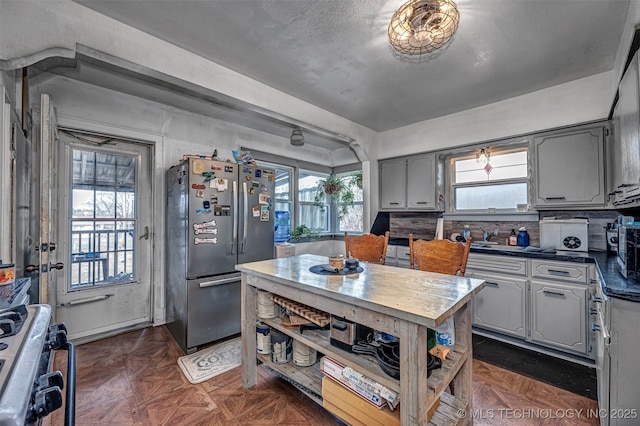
pixel 334 53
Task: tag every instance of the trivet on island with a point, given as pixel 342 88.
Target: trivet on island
pixel 329 270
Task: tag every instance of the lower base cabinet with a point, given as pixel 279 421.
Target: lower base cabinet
pixel 543 302
pixel 558 315
pixel 500 306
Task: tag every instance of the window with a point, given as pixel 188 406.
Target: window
pixel 351 220
pixel 317 218
pixel 500 183
pixel 295 192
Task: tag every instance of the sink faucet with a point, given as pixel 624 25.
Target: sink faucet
pixel 487 236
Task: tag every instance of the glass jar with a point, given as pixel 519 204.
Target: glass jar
pixel 523 238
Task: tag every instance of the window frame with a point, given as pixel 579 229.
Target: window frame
pixel 466 155
pixel 265 159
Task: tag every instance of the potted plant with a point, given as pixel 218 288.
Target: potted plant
pixel 302 234
pixel 340 189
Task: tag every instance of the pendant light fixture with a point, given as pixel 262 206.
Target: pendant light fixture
pixel 297 139
pixel 421 28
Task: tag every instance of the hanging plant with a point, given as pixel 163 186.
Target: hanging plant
pixel 340 189
pixel 357 179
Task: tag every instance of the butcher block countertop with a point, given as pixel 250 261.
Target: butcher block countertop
pixel 420 297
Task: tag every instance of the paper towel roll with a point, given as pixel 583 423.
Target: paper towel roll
pixel 439 229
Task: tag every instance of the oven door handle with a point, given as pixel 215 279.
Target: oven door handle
pixel 70 403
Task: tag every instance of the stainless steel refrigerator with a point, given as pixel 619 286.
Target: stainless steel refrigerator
pixel 218 215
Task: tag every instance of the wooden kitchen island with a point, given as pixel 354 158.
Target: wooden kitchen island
pixel 401 302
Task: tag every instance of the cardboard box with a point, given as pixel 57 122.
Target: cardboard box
pixel 335 369
pixel 350 407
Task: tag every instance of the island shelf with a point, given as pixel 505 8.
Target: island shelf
pixel 393 300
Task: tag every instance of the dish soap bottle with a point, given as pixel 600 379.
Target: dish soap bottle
pixel 513 238
pixel 523 237
pixel 466 233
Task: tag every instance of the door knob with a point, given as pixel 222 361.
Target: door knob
pixel 58 265
pixel 32 268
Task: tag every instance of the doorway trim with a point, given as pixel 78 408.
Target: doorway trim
pixel 156 143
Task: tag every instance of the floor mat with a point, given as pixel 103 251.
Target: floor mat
pixel 566 375
pixel 210 362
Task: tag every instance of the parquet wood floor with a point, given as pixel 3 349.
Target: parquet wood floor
pixel 134 379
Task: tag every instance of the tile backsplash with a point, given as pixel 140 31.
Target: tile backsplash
pixel 423 226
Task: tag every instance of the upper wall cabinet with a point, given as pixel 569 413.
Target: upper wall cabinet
pixel 393 184
pixel 626 134
pixel 409 183
pixel 569 168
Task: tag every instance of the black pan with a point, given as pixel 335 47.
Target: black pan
pixel 388 357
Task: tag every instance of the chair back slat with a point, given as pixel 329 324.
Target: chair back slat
pixel 367 248
pixel 442 256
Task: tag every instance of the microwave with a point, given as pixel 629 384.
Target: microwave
pixel 629 250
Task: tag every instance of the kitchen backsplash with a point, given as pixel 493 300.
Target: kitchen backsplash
pixel 423 226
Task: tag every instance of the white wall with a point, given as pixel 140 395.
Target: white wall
pixel 575 102
pixel 174 132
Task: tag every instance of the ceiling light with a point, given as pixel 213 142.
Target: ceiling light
pixel 483 155
pixel 296 137
pixel 421 28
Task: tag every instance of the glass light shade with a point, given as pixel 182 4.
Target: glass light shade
pixel 420 27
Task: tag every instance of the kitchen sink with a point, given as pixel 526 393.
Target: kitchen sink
pixel 494 245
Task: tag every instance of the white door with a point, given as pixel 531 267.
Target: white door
pixel 105 234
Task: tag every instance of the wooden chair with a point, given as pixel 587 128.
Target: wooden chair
pixel 367 248
pixel 442 256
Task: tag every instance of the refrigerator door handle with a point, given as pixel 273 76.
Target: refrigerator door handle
pixel 234 224
pixel 206 284
pixel 245 225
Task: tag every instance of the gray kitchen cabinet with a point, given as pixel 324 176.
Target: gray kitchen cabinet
pixel 565 271
pixel 542 302
pixel 403 258
pixel 559 315
pixel 615 155
pixel 626 131
pixel 601 326
pixel 617 371
pixel 390 256
pixel 393 183
pixel 501 305
pixel 569 168
pixel 409 183
pixel 421 182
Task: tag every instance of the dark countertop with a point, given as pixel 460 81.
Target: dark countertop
pixel 614 284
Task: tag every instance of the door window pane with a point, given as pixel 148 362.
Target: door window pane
pixel 102 221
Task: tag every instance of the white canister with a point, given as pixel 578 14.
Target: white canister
pixel 303 355
pixel 263 338
pixel 266 308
